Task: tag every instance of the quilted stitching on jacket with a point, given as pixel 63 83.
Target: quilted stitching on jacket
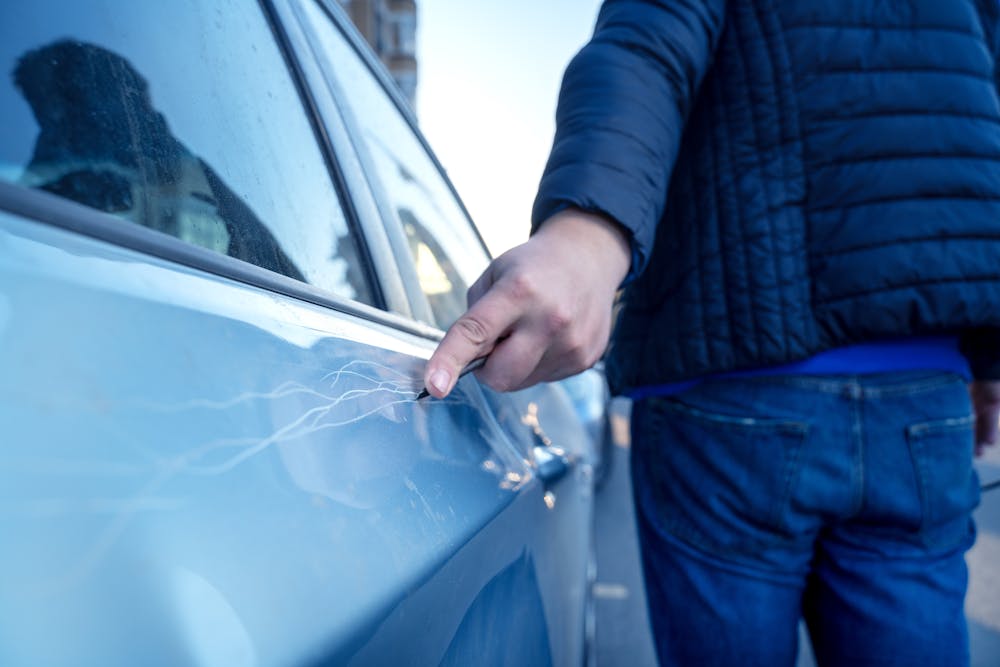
pixel 796 174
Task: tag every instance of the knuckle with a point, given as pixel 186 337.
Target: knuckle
pixel 558 320
pixel 472 329
pixel 521 287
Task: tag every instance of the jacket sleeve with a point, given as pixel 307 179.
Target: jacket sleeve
pixel 621 112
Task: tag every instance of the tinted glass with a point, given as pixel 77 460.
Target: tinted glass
pixel 446 250
pixel 180 116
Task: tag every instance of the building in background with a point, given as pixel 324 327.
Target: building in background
pixel 390 26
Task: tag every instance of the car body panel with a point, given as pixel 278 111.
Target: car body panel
pixel 184 452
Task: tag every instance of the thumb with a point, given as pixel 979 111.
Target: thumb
pixel 472 336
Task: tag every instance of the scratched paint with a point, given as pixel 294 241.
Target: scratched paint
pixel 288 474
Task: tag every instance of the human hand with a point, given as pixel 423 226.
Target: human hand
pixel 986 405
pixel 541 311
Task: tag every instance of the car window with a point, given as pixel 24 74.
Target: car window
pixel 180 116
pixel 446 250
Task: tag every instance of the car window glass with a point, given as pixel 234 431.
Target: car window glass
pixel 180 116
pixel 447 252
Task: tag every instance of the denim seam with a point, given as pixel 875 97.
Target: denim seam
pixel 779 424
pixel 918 386
pixel 694 538
pixel 836 384
pixel 941 425
pixel 792 470
pixel 961 544
pixel 857 435
pixel 696 551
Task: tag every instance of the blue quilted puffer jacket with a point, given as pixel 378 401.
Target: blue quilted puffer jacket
pixel 796 175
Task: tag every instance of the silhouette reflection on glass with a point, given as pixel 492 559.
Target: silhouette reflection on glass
pixel 103 144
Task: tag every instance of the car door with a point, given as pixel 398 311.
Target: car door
pixel 440 254
pixel 211 341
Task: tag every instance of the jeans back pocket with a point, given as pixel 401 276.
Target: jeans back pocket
pixel 942 452
pixel 720 482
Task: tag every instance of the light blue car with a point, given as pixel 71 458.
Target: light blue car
pixel 225 255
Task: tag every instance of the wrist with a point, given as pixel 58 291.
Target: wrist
pixel 595 234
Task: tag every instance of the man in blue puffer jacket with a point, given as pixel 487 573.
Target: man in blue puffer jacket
pixel 802 199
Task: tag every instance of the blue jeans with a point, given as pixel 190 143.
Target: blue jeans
pixel 842 500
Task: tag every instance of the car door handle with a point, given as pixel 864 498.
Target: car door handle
pixel 551 463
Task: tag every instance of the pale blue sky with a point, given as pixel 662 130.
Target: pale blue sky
pixel 489 78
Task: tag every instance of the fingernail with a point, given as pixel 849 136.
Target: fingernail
pixel 440 380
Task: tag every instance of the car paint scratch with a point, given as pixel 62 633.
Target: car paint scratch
pixel 364 403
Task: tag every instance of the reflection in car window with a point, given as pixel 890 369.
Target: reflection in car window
pixel 180 116
pixel 448 254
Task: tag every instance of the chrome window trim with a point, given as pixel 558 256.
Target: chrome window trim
pixel 381 214
pixel 342 161
pixel 49 209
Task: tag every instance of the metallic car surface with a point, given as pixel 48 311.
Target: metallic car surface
pixel 200 464
pixel 197 470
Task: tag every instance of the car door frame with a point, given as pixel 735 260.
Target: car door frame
pixel 385 215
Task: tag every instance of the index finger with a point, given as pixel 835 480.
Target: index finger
pixel 473 335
